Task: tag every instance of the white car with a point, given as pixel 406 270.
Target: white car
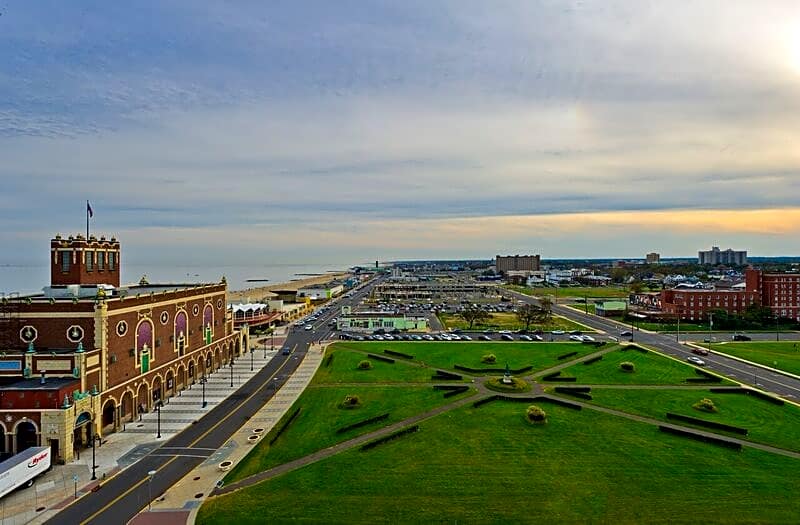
pixel 557 332
pixel 466 338
pixel 428 337
pixel 538 337
pixel 309 327
pixel 388 337
pixel 588 338
pixel 455 337
pixel 578 338
pixel 696 360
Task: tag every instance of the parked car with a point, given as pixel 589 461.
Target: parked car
pixel 710 340
pixel 588 339
pixel 416 337
pixel 538 337
pixel 577 338
pixel 524 337
pixel 557 332
pixel 506 337
pixel 388 337
pixel 741 337
pixel 377 338
pixel 309 327
pixel 428 337
pixel 700 351
pixel 484 337
pixel 626 333
pixel 466 338
pixel 696 361
pixel 575 332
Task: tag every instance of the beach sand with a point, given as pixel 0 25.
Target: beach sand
pixel 263 293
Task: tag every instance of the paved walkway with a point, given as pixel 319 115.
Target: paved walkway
pixel 181 502
pixel 58 487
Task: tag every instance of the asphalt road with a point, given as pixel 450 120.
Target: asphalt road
pixel 764 379
pixel 123 496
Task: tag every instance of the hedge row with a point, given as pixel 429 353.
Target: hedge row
pixel 441 375
pixel 568 389
pixel 551 375
pixel 707 424
pixel 595 343
pixel 491 370
pixel 562 379
pixel 582 395
pixel 564 356
pixel 447 387
pixel 701 437
pixel 702 380
pixel 560 402
pixel 393 435
pixel 284 425
pixel 485 400
pixel 381 358
pixel 328 360
pixel 363 423
pixel 593 360
pixel 748 392
pixel 398 354
pixel 535 399
pixel 701 372
pixel 456 391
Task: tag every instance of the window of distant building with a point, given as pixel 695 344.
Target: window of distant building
pixel 111 261
pixel 65 262
pixel 87 257
pixel 101 256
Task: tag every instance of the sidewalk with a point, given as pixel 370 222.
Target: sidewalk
pixel 59 487
pixel 181 502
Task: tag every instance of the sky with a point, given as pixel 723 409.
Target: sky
pixel 341 132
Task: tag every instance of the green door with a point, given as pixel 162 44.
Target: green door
pixel 145 362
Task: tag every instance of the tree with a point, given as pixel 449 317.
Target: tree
pixel 474 315
pixel 637 287
pixel 528 313
pixel 546 304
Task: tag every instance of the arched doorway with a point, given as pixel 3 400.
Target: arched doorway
pixel 126 404
pixel 155 390
pixel 142 399
pixel 82 432
pixel 108 417
pixel 191 372
pixel 180 378
pixel 217 359
pixel 26 436
pixel 3 446
pixel 209 366
pixel 169 391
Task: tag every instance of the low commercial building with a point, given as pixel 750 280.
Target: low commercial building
pixel 320 292
pixel 610 308
pixel 371 321
pixel 433 290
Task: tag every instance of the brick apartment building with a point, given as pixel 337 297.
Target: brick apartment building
pixel 778 291
pixel 87 355
pixel 530 263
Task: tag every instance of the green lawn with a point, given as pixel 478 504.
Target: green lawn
pixel 315 427
pixel 589 292
pixel 487 465
pixel 344 367
pixel 509 321
pixel 540 355
pixel 784 355
pixel 767 423
pixel 651 369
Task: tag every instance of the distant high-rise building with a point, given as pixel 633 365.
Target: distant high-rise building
pixel 653 258
pixel 530 263
pixel 717 256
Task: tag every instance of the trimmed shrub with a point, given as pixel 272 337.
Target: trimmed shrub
pixel 515 371
pixel 700 437
pixel 551 375
pixel 705 405
pixel 390 437
pixel 441 375
pixel 455 391
pixel 568 389
pixel 284 426
pixel 627 366
pixel 765 397
pixel 707 424
pixel 536 415
pixel 701 372
pixel 564 356
pixel 593 360
pixel 561 379
pixel 489 359
pixel 381 358
pixel 518 385
pixel 398 354
pixel 364 365
pixel 350 401
pixel 362 423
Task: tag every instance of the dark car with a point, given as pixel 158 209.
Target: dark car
pixel 741 337
pixel 286 350
pixel 575 332
pixel 506 337
pixel 626 333
pixel 700 351
pixel 484 337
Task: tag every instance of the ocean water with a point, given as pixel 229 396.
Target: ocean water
pixel 31 279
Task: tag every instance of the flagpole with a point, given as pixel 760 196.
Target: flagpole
pixel 87 220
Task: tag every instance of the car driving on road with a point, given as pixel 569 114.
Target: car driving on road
pixel 696 360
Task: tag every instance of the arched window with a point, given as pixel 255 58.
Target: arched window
pixel 181 333
pixel 144 345
pixel 208 324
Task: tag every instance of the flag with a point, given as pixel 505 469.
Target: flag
pixel 89 209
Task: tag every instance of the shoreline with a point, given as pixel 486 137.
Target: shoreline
pixel 259 293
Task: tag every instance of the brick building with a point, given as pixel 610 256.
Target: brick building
pixel 87 355
pixel 778 291
pixel 529 263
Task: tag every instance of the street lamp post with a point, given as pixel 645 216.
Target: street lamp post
pixel 150 475
pixel 251 358
pixel 203 382
pixel 158 413
pixel 777 333
pixel 231 371
pixel 94 462
pixel 710 328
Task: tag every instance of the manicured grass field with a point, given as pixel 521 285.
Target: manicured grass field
pixel 487 465
pixel 447 354
pixel 651 369
pixel 509 321
pixel 344 367
pixel 590 292
pixel 780 355
pixel 315 427
pixel 769 424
